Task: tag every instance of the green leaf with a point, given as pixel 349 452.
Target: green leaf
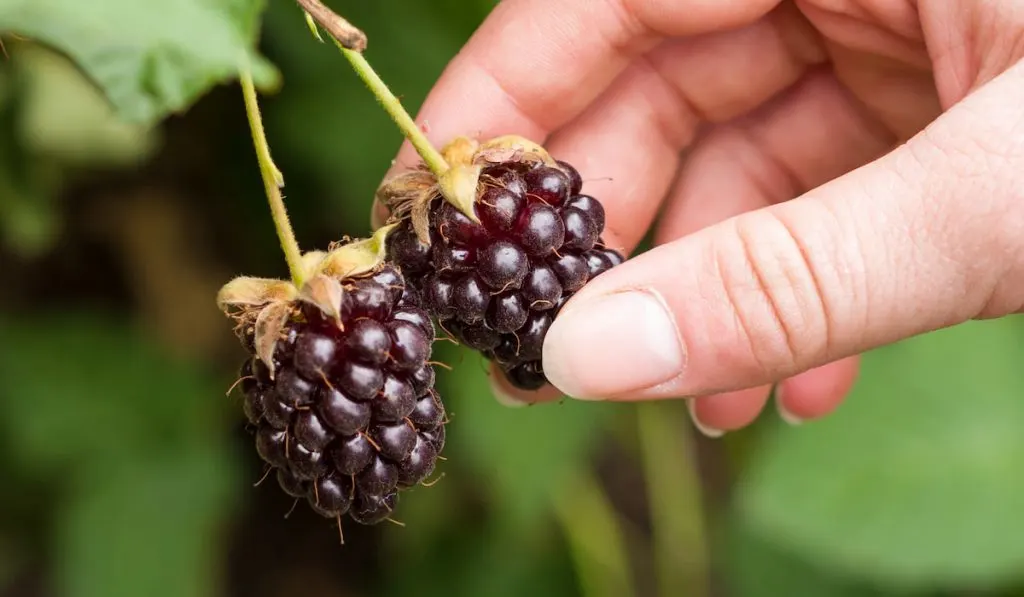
pixel 79 388
pixel 151 59
pixel 146 526
pixel 916 481
pixel 754 566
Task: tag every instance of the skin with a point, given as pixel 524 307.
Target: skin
pixel 822 177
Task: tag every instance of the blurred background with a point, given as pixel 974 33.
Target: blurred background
pixel 129 193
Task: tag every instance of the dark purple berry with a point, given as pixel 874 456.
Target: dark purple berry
pixel 291 484
pixel 597 263
pixel 378 478
pixel 419 464
pixel 292 388
pixel 541 230
pixel 453 259
pixel 352 455
pixel 436 437
pixel 342 414
pixel 392 280
pixel 314 354
pixel 336 421
pixel 330 495
pixel 252 405
pixel 531 335
pixel 508 312
pixel 575 180
pixel 395 440
pixel 580 233
pixel 507 351
pixel 479 337
pixel 541 288
pixel 503 265
pixel 367 341
pixel 498 209
pixel 372 509
pixel 437 297
pixel 422 379
pixel 306 464
pixel 427 414
pixel 548 184
pixel 395 401
pixel 528 376
pixel 277 412
pixel 310 431
pixel 368 299
pixel 417 316
pixel 409 346
pixel 359 381
pixel 270 445
pixel 571 270
pixel 470 297
pixel 406 249
pixel 589 206
pixel 455 227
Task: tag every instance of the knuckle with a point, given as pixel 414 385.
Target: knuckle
pixel 775 293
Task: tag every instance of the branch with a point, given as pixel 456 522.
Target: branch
pixel 349 36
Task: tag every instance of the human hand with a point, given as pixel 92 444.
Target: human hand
pixel 852 176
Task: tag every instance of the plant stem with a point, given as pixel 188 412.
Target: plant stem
pixel 674 495
pixel 431 157
pixel 272 181
pixel 351 42
pixel 595 538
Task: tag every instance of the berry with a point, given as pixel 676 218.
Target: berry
pixel 350 416
pixel 495 282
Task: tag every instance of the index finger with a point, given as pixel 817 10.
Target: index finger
pixel 534 65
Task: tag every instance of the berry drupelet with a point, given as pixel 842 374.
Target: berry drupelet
pixel 497 280
pixel 347 416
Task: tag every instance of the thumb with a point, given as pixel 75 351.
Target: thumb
pixel 926 237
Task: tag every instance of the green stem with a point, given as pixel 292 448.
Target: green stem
pixel 272 181
pixel 431 157
pixel 595 538
pixel 674 494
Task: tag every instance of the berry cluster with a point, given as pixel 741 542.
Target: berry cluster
pixel 497 285
pixel 350 416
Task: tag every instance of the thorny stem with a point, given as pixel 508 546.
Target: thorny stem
pixel 272 180
pixel 329 21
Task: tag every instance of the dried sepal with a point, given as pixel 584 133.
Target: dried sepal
pixel 269 323
pixel 246 292
pixel 324 293
pixel 459 186
pixel 409 196
pixel 358 257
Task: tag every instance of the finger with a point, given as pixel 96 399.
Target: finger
pixel 654 108
pixel 510 396
pixel 816 392
pixel 809 135
pixel 534 65
pixel 926 237
pixel 714 415
pixel 627 144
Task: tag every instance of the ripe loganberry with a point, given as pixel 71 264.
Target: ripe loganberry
pixel 496 280
pixel 348 417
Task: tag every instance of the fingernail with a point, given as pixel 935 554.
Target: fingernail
pixel 613 344
pixel 503 397
pixel 780 407
pixel 691 405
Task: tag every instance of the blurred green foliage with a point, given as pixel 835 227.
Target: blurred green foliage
pixel 127 471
